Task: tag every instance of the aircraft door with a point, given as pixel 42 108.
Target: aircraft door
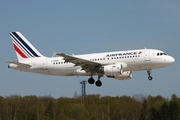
pixel 44 64
pixel 147 55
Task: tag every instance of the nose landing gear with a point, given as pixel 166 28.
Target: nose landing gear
pixel 149 75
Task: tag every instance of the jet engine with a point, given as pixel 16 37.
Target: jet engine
pixel 114 69
pixel 124 76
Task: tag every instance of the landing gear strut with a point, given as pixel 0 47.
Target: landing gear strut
pixel 149 75
pixel 98 82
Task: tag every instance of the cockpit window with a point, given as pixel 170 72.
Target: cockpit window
pixel 164 53
pixel 160 54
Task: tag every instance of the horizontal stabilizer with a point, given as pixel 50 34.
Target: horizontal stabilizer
pixel 18 63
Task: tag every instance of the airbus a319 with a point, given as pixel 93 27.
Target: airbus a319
pixel 118 64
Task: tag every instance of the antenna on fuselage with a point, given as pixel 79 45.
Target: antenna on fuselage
pixel 54 53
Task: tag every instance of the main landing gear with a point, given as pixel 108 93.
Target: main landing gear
pixel 149 75
pixel 91 80
pixel 98 82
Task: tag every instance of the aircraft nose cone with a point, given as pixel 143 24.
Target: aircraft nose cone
pixel 171 60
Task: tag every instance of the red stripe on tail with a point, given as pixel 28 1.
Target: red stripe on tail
pixel 19 51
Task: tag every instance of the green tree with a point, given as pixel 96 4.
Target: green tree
pixel 12 107
pixel 164 115
pixel 173 111
pixel 144 111
pixel 78 111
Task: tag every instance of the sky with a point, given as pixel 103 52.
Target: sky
pixel 81 27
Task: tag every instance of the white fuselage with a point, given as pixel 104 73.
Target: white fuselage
pixel 141 59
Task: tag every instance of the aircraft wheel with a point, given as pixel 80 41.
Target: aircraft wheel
pixel 150 77
pixel 91 80
pixel 98 83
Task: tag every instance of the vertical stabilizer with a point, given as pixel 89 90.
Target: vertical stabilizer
pixel 23 48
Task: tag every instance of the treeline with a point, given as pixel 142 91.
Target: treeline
pixel 92 107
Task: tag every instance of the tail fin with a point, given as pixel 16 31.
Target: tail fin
pixel 24 49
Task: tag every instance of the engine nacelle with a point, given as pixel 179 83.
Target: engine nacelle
pixel 124 76
pixel 80 72
pixel 115 69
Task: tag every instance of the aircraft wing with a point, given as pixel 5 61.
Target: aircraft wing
pixel 85 64
pixel 18 63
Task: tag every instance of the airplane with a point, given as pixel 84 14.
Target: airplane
pixel 118 64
